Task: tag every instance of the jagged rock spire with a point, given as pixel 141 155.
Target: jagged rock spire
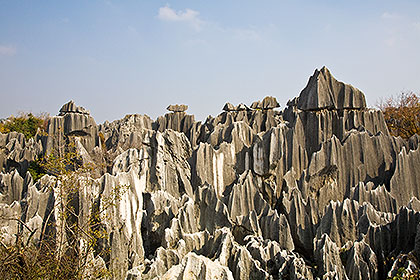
pixel 323 91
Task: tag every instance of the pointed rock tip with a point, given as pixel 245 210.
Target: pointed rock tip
pixel 229 107
pixel 323 91
pixel 325 70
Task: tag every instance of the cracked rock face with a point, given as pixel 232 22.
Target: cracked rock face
pixel 319 190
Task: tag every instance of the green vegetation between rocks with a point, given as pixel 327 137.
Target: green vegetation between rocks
pixel 26 123
pixel 36 170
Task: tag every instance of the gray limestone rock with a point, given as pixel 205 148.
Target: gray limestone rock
pixel 378 196
pixel 71 107
pixel 177 108
pixel 268 103
pixel 361 262
pixel 16 152
pixel 9 222
pixel 256 105
pixel 178 121
pixel 12 186
pixel 328 259
pixel 323 91
pixel 194 266
pixel 406 175
pixel 70 123
pixel 242 107
pixel 318 190
pixel 229 107
pixel 214 167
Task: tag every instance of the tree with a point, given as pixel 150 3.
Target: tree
pixel 402 114
pixel 25 123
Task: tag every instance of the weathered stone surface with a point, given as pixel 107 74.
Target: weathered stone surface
pixel 328 258
pixel 71 122
pixel 269 102
pixel 198 267
pixel 361 262
pixel 229 107
pixel 9 222
pixel 178 121
pixel 406 175
pixel 16 152
pixel 378 197
pixel 177 108
pixel 214 167
pixel 323 91
pixel 349 221
pixel 319 190
pixel 70 107
pixel 242 107
pixel 11 187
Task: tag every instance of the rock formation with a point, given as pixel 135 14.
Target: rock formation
pixel 70 107
pixel 177 108
pixel 318 190
pixel 269 102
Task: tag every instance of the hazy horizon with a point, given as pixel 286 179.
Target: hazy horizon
pixel 117 58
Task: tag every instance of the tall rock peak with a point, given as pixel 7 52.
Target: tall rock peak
pixel 323 91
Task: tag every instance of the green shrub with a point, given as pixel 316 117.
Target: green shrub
pixel 36 170
pixel 26 123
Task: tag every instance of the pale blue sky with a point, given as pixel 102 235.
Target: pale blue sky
pixel 120 57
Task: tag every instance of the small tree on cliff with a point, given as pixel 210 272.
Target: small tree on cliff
pixel 402 114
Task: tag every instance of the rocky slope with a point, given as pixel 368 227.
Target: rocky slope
pixel 318 190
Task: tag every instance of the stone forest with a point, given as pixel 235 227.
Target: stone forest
pixel 319 189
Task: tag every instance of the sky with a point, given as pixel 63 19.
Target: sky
pixel 124 57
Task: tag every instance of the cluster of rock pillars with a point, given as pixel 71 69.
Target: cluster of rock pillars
pixel 317 190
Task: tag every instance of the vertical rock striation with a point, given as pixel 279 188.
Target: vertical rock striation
pixel 318 190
